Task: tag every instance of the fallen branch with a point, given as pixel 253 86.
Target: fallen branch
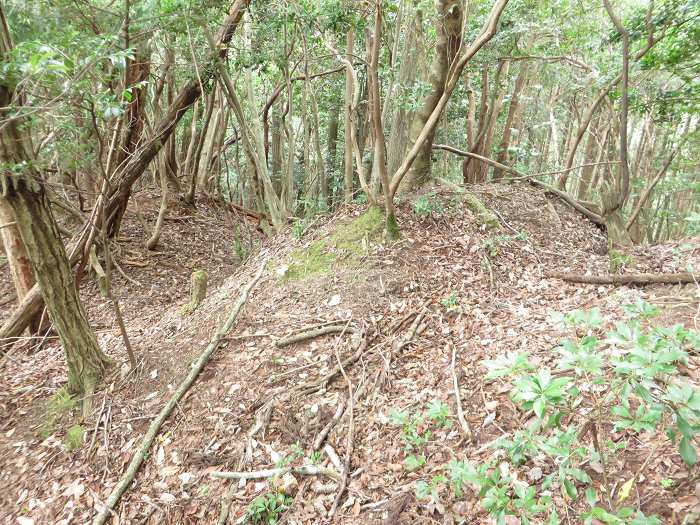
pixel 594 217
pixel 458 398
pixel 310 334
pixel 630 278
pixel 185 385
pixel 306 470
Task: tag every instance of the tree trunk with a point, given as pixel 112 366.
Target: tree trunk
pixel 347 163
pixel 17 257
pixel 513 109
pixel 137 72
pixel 449 40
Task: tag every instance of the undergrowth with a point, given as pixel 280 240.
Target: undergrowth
pixel 624 380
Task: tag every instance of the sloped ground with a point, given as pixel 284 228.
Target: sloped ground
pixel 451 282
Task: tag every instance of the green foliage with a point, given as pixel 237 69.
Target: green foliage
pixel 451 302
pixel 643 395
pixel 428 205
pixel 58 406
pixel 268 508
pixel 619 261
pixel 74 438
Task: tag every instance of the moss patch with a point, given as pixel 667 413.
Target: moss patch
pixel 346 245
pixel 485 216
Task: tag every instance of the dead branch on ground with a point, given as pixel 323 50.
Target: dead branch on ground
pixel 630 278
pixel 311 334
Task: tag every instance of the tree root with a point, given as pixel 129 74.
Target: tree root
pixel 165 412
pixel 630 278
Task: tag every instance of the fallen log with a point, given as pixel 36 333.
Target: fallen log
pixel 630 278
pixel 165 412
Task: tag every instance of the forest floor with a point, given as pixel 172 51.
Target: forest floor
pixel 451 287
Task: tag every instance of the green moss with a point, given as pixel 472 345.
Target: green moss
pixel 74 438
pixel 310 261
pixel 367 226
pixel 60 404
pixel 484 215
pixel 346 245
pixel 392 228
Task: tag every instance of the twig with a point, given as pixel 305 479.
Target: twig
pixel 97 424
pixel 330 376
pixel 306 470
pixel 310 334
pixel 165 412
pixel 460 412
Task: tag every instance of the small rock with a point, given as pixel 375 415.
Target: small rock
pixel 534 474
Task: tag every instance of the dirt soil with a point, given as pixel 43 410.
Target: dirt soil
pixel 449 284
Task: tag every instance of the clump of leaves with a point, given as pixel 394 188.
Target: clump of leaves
pixel 416 432
pixel 267 508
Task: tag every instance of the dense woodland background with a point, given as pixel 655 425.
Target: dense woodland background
pixel 268 121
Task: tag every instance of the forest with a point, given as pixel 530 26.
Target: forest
pixel 350 261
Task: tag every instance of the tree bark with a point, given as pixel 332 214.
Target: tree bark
pixel 449 40
pixel 17 257
pixel 513 109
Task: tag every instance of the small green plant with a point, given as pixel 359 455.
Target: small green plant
pixel 439 413
pixel 427 205
pixel 239 249
pixel 298 228
pixel 59 405
pixel 639 392
pixel 619 261
pixel 414 433
pixel 267 508
pixel 315 457
pixel 451 302
pixel 414 462
pixel 74 438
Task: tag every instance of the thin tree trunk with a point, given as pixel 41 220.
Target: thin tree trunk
pixel 513 109
pixel 347 165
pixel 449 41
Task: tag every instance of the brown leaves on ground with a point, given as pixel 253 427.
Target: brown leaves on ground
pixel 483 292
